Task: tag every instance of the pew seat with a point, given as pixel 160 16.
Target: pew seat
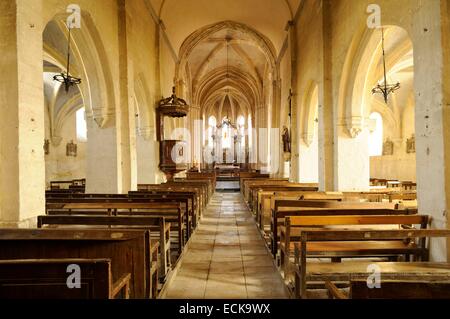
pixel 47 279
pixel 392 289
pixel 307 272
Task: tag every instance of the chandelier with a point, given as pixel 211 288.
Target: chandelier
pixel 384 88
pixel 66 78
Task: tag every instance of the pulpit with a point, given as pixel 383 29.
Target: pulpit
pixel 172 159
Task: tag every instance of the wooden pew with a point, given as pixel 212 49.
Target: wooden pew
pixel 128 250
pixel 205 185
pixel 203 175
pixel 246 183
pixel 267 202
pixel 187 198
pixel 243 177
pixel 74 186
pixel 393 289
pixel 132 197
pixel 285 208
pixel 402 196
pixel 254 189
pixel 291 234
pixel 312 272
pixel 47 279
pixel 171 212
pixel 164 188
pixel 156 225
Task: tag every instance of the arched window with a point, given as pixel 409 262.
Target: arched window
pixel 81 125
pixel 376 136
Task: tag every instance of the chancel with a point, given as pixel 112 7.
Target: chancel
pixel 241 149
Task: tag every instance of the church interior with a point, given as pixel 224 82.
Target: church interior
pixel 224 149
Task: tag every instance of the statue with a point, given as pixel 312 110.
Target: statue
pixel 286 140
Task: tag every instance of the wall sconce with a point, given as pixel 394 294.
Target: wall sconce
pixel 71 149
pixel 46 147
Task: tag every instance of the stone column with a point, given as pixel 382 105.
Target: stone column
pixel 352 165
pixel 125 143
pixel 147 157
pixel 102 160
pixel 432 115
pixel 326 110
pixel 196 128
pixel 22 163
pixel 295 157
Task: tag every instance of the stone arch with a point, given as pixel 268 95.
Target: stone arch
pixel 90 63
pixel 310 108
pixel 259 40
pixel 362 70
pixel 144 106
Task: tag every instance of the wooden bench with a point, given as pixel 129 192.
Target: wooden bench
pixel 171 212
pixel 292 231
pixel 247 183
pixel 206 184
pixel 136 197
pixel 128 250
pixel 154 224
pixel 284 209
pixel 254 189
pixel 47 279
pixel 250 175
pixel 186 198
pixel 175 189
pixel 313 272
pixel 392 289
pixel 266 202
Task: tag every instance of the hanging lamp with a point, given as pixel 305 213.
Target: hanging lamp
pixel 384 88
pixel 66 78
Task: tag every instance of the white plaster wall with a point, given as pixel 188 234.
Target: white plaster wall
pixel 400 167
pixel 309 159
pixel 146 164
pixel 352 164
pixel 60 167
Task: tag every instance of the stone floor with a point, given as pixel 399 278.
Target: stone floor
pixel 226 257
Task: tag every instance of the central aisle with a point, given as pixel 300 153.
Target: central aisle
pixel 226 258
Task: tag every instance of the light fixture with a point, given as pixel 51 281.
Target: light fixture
pixel 384 88
pixel 228 39
pixel 66 78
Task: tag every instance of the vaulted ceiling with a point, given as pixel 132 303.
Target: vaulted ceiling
pixel 226 49
pixel 182 17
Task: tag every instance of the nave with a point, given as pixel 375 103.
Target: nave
pixel 122 120
pixel 226 258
